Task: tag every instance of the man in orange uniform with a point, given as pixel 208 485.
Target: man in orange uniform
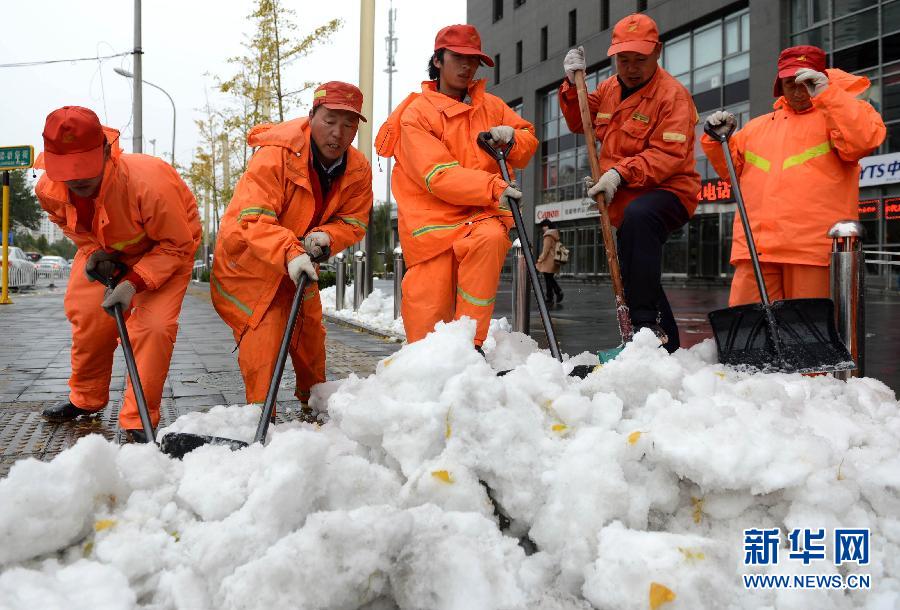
pixel 305 189
pixel 133 209
pixel 645 120
pixel 453 206
pixel 799 174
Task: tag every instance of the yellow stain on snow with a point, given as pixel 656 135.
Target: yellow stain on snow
pixel 388 361
pixel 176 536
pixel 690 555
pixel 559 428
pixel 840 475
pixel 659 595
pixel 634 437
pixel 698 509
pixel 448 430
pixel 442 475
pixel 104 524
pixel 721 374
pixel 88 549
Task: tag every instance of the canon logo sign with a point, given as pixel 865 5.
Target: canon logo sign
pixel 542 214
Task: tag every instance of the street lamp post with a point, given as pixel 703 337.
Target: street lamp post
pixel 128 74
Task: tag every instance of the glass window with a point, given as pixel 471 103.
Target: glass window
pixel 799 15
pixel 732 36
pixel 707 78
pixel 856 28
pixel 678 56
pixel 550 174
pixel 567 167
pixel 737 68
pixel 890 17
pixel 844 7
pixel 890 93
pixel 708 45
pixel 745 32
pixel 550 131
pixel 820 10
pixel 818 37
pixel 856 58
pixel 890 48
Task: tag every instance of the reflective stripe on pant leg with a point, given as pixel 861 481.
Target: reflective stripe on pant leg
pixel 152 329
pixel 428 295
pixel 480 255
pixel 94 341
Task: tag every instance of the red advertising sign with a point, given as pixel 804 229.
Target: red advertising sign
pixel 715 191
pixel 892 208
pixel 868 209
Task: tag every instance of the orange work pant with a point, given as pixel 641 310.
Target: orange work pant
pixel 258 348
pixel 461 281
pixel 783 281
pixel 152 326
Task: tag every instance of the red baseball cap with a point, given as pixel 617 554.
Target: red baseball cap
pixel 73 144
pixel 794 58
pixel 340 96
pixel 636 32
pixel 463 39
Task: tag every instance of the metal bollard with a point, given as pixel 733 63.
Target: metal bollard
pixel 340 279
pixel 520 301
pixel 399 269
pixel 359 279
pixel 848 289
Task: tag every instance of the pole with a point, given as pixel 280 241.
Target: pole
pixel 340 280
pixel 359 279
pixel 848 289
pixel 128 74
pixel 4 293
pixel 391 49
pixel 520 303
pixel 137 140
pixel 366 85
pixel 399 270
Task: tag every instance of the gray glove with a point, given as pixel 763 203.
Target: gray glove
pixel 301 264
pixel 574 61
pixel 607 184
pixel 315 243
pixel 501 134
pixel 121 294
pixel 723 123
pixel 508 196
pixel 103 262
pixel 815 81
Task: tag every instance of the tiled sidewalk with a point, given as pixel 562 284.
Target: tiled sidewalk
pixel 34 369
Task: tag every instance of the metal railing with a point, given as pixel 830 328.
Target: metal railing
pixel 888 263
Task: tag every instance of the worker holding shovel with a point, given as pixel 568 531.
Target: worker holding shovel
pixel 645 120
pixel 306 190
pixel 799 174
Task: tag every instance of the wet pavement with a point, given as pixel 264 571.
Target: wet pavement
pixel 35 366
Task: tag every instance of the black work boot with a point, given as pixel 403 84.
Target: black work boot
pixel 135 436
pixel 64 411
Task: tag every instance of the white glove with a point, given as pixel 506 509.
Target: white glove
pixel 501 134
pixel 301 264
pixel 103 262
pixel 723 123
pixel 507 196
pixel 607 184
pixel 121 294
pixel 815 82
pixel 574 61
pixel 315 243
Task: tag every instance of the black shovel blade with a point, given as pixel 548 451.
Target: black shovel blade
pixel 806 332
pixel 179 444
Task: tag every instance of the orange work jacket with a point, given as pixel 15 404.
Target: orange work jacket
pixel 271 210
pixel 442 179
pixel 799 171
pixel 648 137
pixel 144 211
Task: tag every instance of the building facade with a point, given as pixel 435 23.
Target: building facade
pixel 725 53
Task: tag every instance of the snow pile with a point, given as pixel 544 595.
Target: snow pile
pixel 635 483
pixel 376 312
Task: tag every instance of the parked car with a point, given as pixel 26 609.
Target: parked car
pixel 33 256
pixel 22 272
pixel 52 266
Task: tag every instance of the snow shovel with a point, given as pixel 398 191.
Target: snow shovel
pixel 787 336
pixel 178 444
pixel 623 315
pixel 110 282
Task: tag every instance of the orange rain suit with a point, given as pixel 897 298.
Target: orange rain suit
pixel 799 174
pixel 272 209
pixel 648 137
pixel 144 212
pixel 452 229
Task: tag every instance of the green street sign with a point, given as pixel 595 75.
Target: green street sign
pixel 16 157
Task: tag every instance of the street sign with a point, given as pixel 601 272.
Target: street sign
pixel 16 157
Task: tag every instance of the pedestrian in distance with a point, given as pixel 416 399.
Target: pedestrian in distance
pixel 645 120
pixel 799 174
pixel 547 263
pixel 118 209
pixel 453 207
pixel 305 189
